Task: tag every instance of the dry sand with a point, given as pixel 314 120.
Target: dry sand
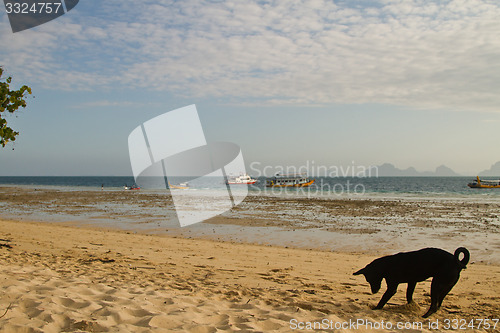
pixel 62 278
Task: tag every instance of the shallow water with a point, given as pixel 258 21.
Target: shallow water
pixel 448 187
pixel 368 223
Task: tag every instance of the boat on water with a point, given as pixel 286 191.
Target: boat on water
pixel 126 187
pixel 181 186
pixel 478 183
pixel 290 180
pixel 242 179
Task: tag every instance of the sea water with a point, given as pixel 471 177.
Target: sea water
pixel 323 186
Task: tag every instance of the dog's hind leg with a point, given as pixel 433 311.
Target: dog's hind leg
pixel 409 291
pixel 437 287
pixel 391 290
pixel 435 291
pixel 440 287
pixel 446 290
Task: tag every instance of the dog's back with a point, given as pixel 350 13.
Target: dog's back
pixel 420 265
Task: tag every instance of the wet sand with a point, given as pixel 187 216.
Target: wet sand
pixel 370 225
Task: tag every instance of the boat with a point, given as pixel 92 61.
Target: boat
pixel 243 179
pixel 478 183
pixel 131 187
pixel 181 186
pixel 290 180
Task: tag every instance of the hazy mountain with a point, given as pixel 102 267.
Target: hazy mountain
pixel 441 171
pixel 494 171
pixel 389 170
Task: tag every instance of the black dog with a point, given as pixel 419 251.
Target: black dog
pixel 413 267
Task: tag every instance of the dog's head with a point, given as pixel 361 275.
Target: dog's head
pixel 374 279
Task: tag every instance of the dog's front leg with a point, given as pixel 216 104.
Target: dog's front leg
pixel 409 291
pixel 391 290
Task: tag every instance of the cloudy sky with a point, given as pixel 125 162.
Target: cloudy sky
pixel 413 83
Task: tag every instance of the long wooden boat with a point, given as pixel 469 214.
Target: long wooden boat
pixel 181 186
pixel 289 180
pixel 478 183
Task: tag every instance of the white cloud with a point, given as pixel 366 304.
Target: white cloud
pixel 108 103
pixel 426 54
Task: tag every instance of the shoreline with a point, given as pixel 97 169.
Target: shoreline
pixel 74 278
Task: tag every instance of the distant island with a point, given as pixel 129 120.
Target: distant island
pixel 494 171
pixel 389 170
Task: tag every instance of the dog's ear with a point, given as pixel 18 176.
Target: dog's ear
pixel 361 271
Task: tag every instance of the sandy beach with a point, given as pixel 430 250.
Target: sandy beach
pixel 60 278
pixel 72 275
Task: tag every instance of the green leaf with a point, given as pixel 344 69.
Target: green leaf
pixel 10 100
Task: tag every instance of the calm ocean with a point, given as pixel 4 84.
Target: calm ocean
pixel 324 186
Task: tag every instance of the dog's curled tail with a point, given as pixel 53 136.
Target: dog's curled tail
pixel 465 260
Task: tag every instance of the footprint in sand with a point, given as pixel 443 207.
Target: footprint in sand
pixel 268 325
pixel 26 308
pixel 201 329
pixel 241 306
pixel 217 320
pixel 27 304
pixel 168 322
pixel 61 321
pixel 10 328
pixel 137 312
pixel 70 303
